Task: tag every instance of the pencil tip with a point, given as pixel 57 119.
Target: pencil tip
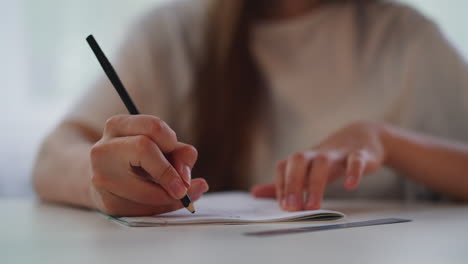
pixel 191 208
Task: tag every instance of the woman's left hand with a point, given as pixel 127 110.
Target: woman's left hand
pixel 351 152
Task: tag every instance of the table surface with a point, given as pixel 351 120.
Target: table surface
pixel 36 232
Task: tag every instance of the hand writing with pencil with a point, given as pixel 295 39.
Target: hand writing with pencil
pixel 139 168
pixel 351 152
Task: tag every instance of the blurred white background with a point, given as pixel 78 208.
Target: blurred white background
pixel 46 64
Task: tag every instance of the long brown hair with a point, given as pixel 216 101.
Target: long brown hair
pixel 228 94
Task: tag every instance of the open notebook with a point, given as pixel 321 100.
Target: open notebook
pixel 230 208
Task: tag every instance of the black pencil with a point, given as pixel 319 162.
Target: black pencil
pixel 117 83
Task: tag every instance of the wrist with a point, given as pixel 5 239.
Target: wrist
pixel 86 191
pixel 90 192
pixel 388 135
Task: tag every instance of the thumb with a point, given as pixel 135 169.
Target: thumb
pixel 184 154
pixel 264 191
pixel 183 159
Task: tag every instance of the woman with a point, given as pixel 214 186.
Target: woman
pixel 246 83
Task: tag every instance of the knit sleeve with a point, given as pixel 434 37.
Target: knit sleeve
pixel 153 63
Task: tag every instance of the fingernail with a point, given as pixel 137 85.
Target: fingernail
pixel 187 175
pixel 200 187
pixel 177 188
pixel 312 202
pixel 292 202
pixel 350 182
pixel 283 203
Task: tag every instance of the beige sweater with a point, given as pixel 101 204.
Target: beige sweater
pixel 324 69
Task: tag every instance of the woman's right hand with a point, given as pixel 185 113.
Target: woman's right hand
pixel 139 168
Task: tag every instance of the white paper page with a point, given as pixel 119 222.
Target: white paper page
pixel 229 207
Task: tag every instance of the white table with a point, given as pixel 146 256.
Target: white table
pixel 35 232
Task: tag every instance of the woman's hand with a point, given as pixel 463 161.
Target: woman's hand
pixel 351 152
pixel 139 168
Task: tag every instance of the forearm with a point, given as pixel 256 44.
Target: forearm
pixel 62 172
pixel 436 163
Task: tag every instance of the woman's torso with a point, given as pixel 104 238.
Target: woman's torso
pixel 325 69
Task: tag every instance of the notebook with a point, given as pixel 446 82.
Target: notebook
pixel 230 208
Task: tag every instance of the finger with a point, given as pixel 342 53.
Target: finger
pixel 187 154
pixel 138 151
pixel 150 126
pixel 318 177
pixel 148 156
pixel 116 205
pixel 355 165
pixel 294 184
pixel 280 174
pixel 264 190
pixel 183 159
pixel 142 191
